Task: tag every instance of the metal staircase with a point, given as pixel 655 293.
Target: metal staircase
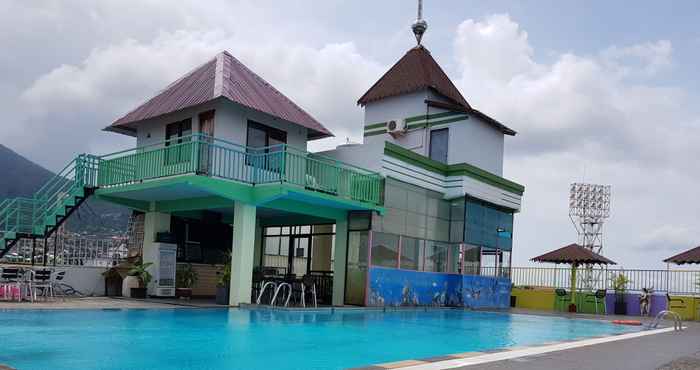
pixel 42 214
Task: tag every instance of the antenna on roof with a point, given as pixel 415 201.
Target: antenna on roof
pixel 420 25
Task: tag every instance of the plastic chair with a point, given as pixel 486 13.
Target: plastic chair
pixel 599 295
pixel 11 277
pixel 41 279
pixel 308 283
pixel 560 296
pixel 57 284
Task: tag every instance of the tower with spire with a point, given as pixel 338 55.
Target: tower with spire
pixel 417 106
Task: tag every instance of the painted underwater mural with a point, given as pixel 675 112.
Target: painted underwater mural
pixel 394 287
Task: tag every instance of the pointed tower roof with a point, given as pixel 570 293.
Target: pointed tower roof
pixel 222 77
pixel 417 70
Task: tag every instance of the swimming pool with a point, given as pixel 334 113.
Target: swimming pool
pixel 157 339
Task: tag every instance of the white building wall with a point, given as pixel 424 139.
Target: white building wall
pixel 475 142
pixel 230 124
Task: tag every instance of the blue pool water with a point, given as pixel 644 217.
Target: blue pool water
pixel 157 339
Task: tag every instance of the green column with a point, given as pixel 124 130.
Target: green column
pixel 340 262
pixel 242 253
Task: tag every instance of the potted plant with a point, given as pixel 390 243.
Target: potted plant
pixel 222 286
pixel 185 278
pixel 140 272
pixel 619 283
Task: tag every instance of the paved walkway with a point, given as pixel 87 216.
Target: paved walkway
pixel 109 303
pixel 665 351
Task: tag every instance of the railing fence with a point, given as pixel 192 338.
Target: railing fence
pixel 671 281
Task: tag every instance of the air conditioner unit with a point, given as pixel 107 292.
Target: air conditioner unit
pixel 396 127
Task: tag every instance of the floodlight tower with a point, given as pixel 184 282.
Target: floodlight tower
pixel 589 207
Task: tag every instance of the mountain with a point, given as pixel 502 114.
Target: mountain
pixel 22 178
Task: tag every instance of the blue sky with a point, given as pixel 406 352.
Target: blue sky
pixel 605 88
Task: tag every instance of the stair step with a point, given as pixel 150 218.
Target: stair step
pixel 79 192
pixel 50 221
pixel 69 202
pixel 60 211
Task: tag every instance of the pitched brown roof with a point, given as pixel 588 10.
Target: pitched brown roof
pixel 573 253
pixel 224 76
pixel 690 256
pixel 415 71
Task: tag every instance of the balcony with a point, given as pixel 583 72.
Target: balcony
pixel 202 155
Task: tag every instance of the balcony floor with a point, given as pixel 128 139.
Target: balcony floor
pixel 191 192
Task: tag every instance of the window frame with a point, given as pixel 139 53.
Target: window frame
pixel 446 130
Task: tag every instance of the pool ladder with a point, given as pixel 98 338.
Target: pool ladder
pixel 677 322
pixel 276 288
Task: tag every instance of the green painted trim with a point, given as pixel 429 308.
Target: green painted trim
pixel 419 122
pixel 139 205
pixel 459 169
pixel 375 133
pixel 295 206
pixel 375 125
pixel 192 204
pixel 423 117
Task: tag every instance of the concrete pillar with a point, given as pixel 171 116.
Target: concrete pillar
pixel 258 244
pixel 153 223
pixel 340 262
pixel 242 253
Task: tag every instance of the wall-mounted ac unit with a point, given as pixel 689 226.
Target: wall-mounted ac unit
pixel 396 127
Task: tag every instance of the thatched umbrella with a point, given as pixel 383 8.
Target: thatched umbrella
pixel 574 255
pixel 691 256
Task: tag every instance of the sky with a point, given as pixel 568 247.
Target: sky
pixel 601 92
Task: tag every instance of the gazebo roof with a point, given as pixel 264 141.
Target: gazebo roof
pixel 573 254
pixel 690 256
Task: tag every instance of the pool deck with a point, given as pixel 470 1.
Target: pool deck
pixel 665 350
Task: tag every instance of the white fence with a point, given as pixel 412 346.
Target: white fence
pixel 671 281
pixel 69 250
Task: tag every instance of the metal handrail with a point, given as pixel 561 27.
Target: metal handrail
pixel 677 322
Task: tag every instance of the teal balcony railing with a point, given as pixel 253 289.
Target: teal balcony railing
pixel 206 156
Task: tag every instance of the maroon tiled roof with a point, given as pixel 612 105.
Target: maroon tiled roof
pixel 224 76
pixel 415 71
pixel 690 256
pixel 573 253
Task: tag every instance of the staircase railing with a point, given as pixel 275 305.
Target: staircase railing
pixel 28 216
pixel 71 181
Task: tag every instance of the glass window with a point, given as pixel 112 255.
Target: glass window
pixel 385 249
pixel 272 245
pixel 471 258
pixel 489 262
pixel 488 226
pixel 438 144
pixel 435 256
pixel 411 253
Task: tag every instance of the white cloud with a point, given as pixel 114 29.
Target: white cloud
pixel 85 97
pixel 587 114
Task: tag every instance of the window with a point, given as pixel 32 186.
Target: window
pixel 261 136
pixel 177 133
pixel 385 249
pixel 438 145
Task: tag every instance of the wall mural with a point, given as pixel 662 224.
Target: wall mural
pixel 394 287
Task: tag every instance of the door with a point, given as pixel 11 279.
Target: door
pixel 206 128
